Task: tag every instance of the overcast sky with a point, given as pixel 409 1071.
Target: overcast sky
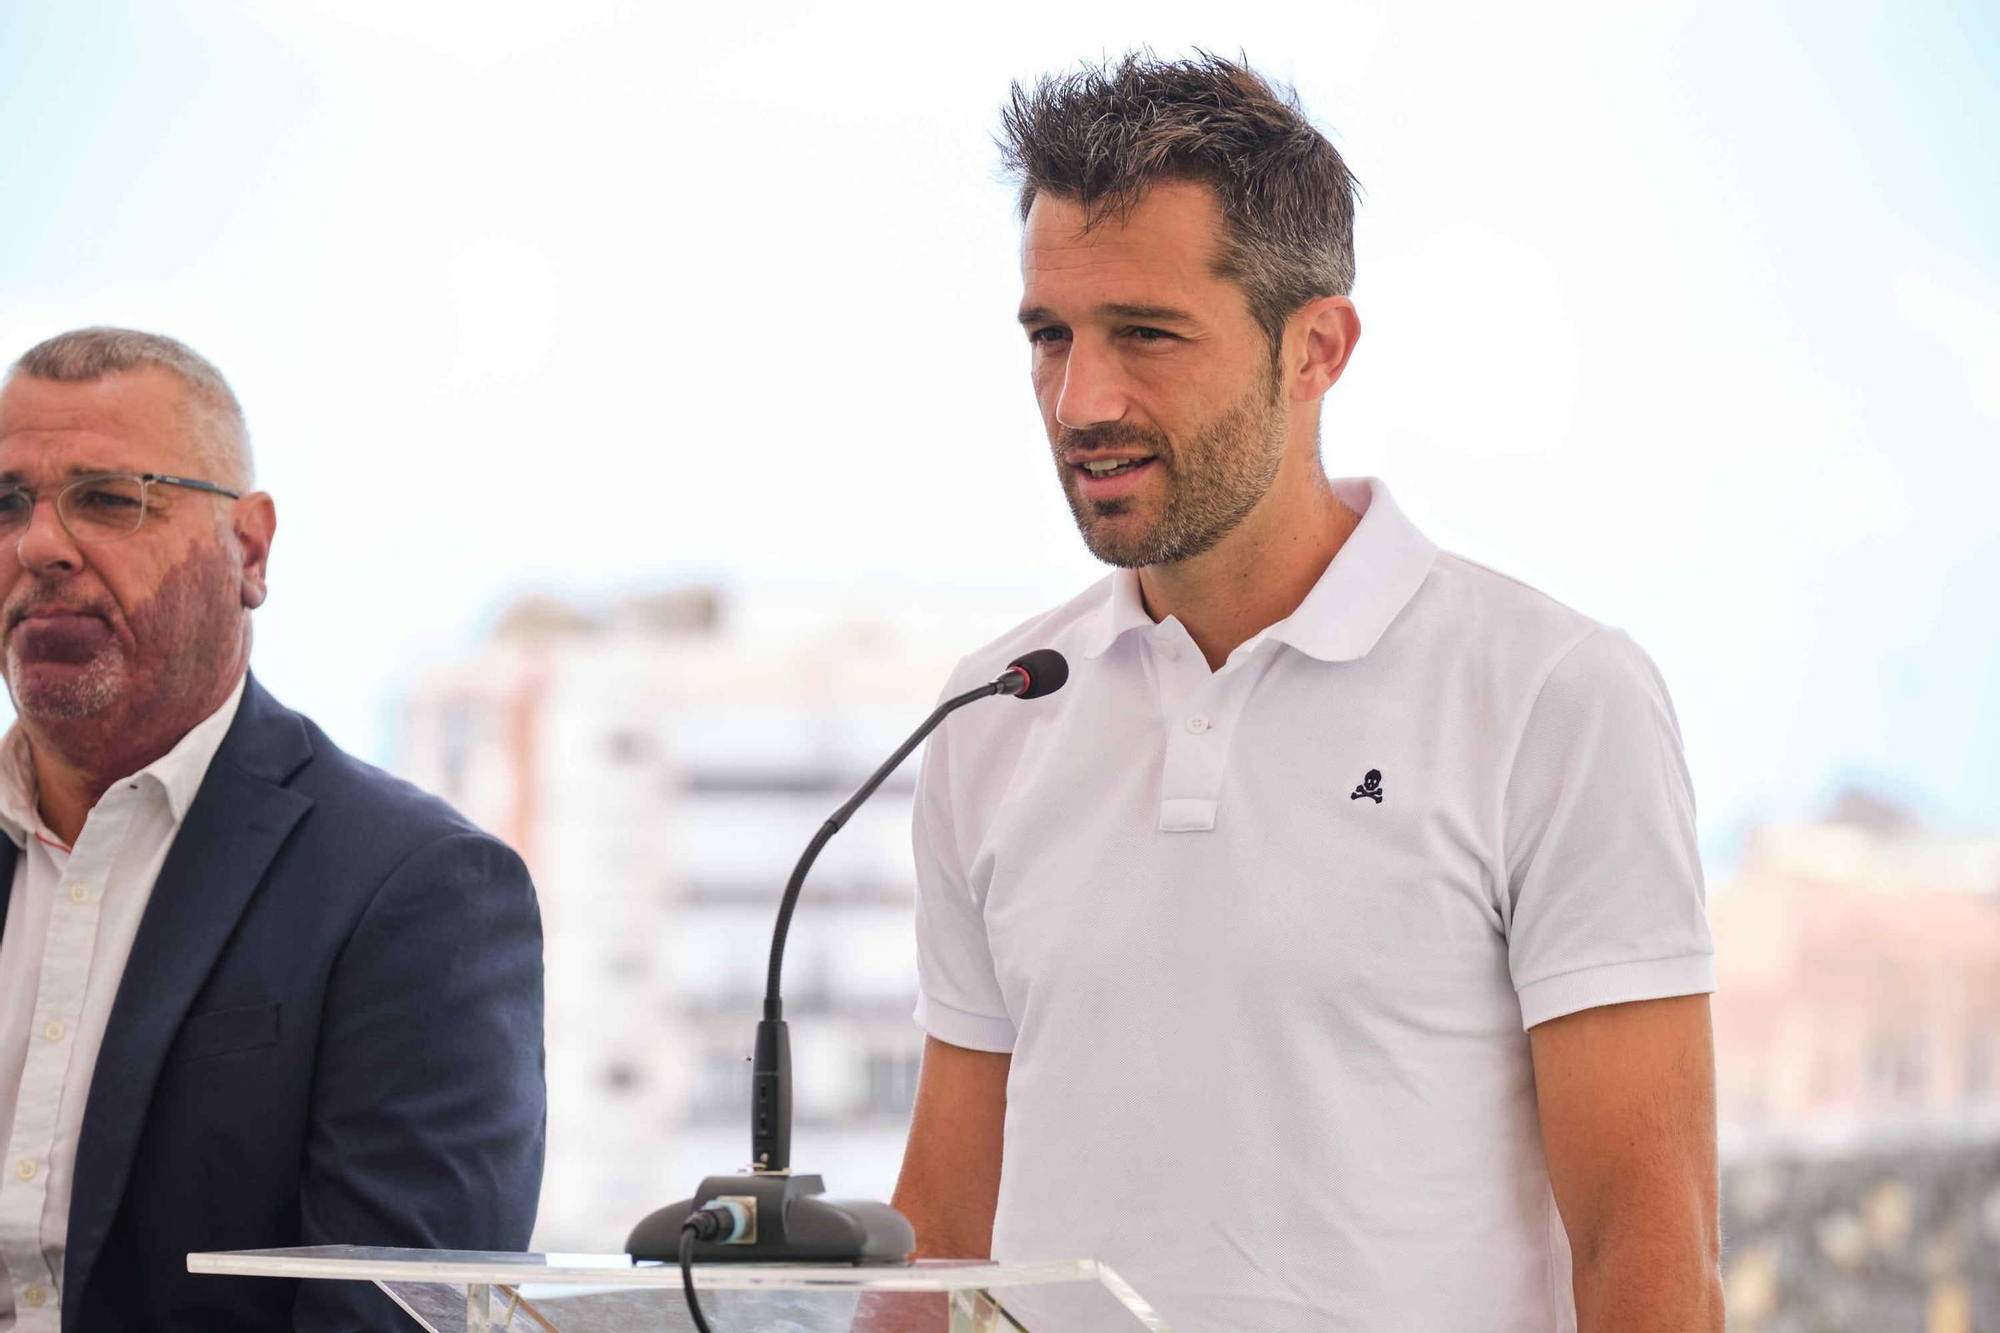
pixel 1691 319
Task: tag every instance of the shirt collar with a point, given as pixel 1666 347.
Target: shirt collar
pixel 1124 609
pixel 17 788
pixel 1365 587
pixel 177 773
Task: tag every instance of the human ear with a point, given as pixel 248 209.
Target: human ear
pixel 1319 338
pixel 253 524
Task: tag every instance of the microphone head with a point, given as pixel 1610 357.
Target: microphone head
pixel 1045 669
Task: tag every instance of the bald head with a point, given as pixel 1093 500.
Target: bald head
pixel 213 417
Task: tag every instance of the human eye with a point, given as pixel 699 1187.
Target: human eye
pixel 103 506
pixel 108 497
pixel 1047 335
pixel 14 505
pixel 1144 333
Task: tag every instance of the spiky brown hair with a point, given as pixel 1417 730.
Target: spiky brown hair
pixel 1102 134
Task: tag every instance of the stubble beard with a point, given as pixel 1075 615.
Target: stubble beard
pixel 189 622
pixel 1212 483
pixel 72 696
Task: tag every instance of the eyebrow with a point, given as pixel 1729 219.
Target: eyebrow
pixel 1157 314
pixel 13 476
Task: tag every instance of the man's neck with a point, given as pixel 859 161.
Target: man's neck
pixel 1258 574
pixel 65 795
pixel 77 762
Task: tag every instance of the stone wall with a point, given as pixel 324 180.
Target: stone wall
pixel 1876 1240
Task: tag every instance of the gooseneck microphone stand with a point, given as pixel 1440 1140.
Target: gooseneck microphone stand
pixel 769 1215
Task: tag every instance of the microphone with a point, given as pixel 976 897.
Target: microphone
pixel 1035 674
pixel 767 1214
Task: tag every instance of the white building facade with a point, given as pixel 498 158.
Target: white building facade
pixel 661 763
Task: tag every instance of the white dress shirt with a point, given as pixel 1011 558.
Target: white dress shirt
pixel 71 920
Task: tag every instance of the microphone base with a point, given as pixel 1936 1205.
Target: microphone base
pixel 794 1223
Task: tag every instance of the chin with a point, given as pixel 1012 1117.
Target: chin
pixel 60 692
pixel 1112 532
pixel 1120 550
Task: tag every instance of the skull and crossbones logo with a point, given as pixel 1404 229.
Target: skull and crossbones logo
pixel 1371 787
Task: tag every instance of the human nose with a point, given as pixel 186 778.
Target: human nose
pixel 1091 393
pixel 45 543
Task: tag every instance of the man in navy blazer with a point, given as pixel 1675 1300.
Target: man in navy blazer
pixel 313 994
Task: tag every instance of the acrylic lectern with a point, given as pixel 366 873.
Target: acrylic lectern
pixel 457 1291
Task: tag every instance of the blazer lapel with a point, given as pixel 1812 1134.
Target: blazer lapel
pixel 239 818
pixel 10 856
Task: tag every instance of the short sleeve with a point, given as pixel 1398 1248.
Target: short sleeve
pixel 1603 876
pixel 958 995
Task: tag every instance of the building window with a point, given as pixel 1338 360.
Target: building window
pixel 629 746
pixel 722 1087
pixel 892 1082
pixel 1978 1068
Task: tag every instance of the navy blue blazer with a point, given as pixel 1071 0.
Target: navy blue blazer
pixel 329 1032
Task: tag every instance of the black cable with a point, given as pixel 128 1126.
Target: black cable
pixel 711 1223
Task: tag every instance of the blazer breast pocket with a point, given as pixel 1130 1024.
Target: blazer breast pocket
pixel 222 1031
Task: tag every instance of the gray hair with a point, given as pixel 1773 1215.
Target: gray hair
pixel 1104 133
pixel 82 355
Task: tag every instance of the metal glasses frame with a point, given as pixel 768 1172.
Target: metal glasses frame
pixel 145 480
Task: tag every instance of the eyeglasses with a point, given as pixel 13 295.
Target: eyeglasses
pixel 99 508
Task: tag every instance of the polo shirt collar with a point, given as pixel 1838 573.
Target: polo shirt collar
pixel 177 773
pixel 1365 587
pixel 1124 609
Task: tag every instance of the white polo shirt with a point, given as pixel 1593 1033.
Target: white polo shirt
pixel 1265 942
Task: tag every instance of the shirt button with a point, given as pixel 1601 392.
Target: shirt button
pixel 79 893
pixel 1171 653
pixel 1197 724
pixel 55 1031
pixel 25 1169
pixel 36 1297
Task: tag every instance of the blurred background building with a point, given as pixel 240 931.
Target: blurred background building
pixel 1857 1027
pixel 1858 961
pixel 661 761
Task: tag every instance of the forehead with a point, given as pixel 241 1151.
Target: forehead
pixel 137 419
pixel 1166 249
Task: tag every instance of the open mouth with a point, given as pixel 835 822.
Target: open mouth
pixel 1112 467
pixel 1111 480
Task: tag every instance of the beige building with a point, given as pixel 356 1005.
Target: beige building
pixel 1858 971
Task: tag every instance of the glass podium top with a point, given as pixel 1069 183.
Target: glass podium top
pixel 461 1267
pixel 475 1291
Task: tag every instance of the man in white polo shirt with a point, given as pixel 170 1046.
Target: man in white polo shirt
pixel 1330 952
